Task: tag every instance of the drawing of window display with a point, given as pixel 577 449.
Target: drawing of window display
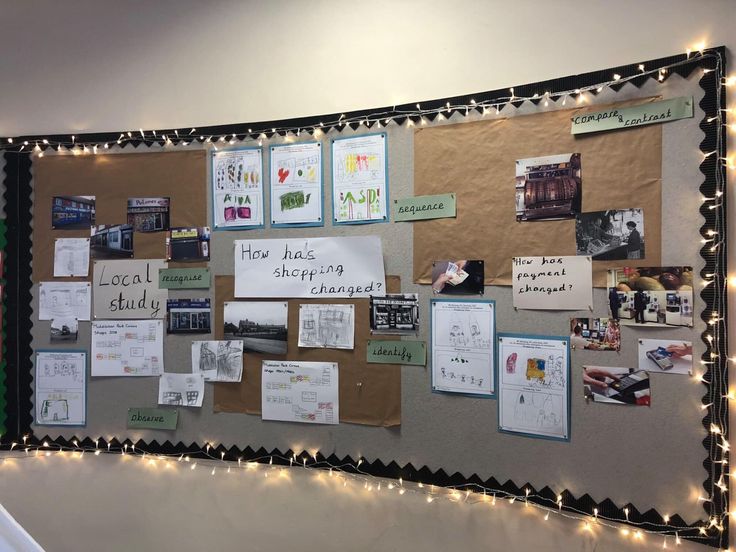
pixel 237 188
pixel 329 326
pixel 359 179
pixel 462 346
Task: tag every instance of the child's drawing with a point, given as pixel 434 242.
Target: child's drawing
pixel 218 360
pixel 329 326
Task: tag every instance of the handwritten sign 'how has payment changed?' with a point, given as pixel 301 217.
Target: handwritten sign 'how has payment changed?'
pixel 310 267
pixel 128 289
pixel 553 283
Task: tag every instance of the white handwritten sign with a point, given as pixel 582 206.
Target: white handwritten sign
pixel 553 283
pixel 310 267
pixel 128 289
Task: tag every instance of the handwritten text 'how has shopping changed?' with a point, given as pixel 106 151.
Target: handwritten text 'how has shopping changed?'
pixel 310 267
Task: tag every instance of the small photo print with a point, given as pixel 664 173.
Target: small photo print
pixel 149 214
pixel 608 384
pixel 670 356
pixel 397 313
pixel 188 315
pixel 610 235
pixel 458 277
pixel 549 187
pixel 72 212
pixel 260 325
pixel 111 242
pixel 597 334
pixel 660 297
pixel 188 244
pixel 64 329
pixel 218 360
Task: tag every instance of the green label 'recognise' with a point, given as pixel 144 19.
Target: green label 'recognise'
pixel 184 278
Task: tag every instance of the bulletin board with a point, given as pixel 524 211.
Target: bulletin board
pixel 390 419
pixel 620 170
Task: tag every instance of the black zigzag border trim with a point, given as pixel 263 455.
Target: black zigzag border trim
pixel 18 391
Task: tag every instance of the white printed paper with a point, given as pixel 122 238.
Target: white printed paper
pixel 329 326
pixel 181 389
pixel 129 289
pixel 71 257
pixel 305 392
pixel 309 267
pixel 553 283
pixel 64 300
pixel 296 183
pixel 533 387
pixel 127 348
pixel 61 388
pixel 359 180
pixel 462 346
pixel 237 188
pixel 218 360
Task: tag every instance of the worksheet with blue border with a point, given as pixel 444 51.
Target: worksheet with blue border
pixel 61 387
pixel 463 334
pixel 296 185
pixel 534 385
pixel 237 188
pixel 360 179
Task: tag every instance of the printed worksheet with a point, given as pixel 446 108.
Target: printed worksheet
pixel 296 184
pixel 64 300
pixel 71 257
pixel 359 179
pixel 534 389
pixel 462 346
pixel 218 360
pixel 181 389
pixel 127 347
pixel 305 392
pixel 61 388
pixel 329 326
pixel 237 188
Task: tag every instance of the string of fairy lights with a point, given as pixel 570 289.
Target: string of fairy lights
pixel 351 475
pixel 712 373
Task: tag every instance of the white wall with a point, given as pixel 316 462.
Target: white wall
pixel 104 65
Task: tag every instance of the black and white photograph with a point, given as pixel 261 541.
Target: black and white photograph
pixel 461 277
pixel 260 325
pixel 111 242
pixel 188 244
pixel 64 329
pixel 548 187
pixel 397 313
pixel 149 214
pixel 188 316
pixel 610 235
pixel 72 212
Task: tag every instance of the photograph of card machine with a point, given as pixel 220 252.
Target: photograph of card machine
pixel 636 381
pixel 661 358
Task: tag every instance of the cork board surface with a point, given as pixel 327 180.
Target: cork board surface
pixel 370 394
pixel 477 161
pixel 112 179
